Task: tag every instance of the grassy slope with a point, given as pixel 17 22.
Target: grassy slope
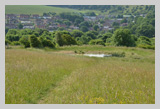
pixel 36 76
pixel 37 9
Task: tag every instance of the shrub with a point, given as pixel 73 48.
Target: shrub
pixel 96 42
pixel 123 37
pixel 117 54
pixel 16 43
pixel 24 40
pixel 7 42
pixel 34 42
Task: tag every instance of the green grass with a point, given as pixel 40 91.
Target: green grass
pixel 38 9
pixel 55 76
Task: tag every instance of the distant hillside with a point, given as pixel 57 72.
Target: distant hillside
pixel 113 9
pixel 38 9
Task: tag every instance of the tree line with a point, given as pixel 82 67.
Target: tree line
pixel 40 38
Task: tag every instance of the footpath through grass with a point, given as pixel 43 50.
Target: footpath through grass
pixel 38 76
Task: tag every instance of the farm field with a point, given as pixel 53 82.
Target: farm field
pixel 39 9
pixel 63 76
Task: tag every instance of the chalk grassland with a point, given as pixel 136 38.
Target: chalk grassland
pixel 38 9
pixel 53 77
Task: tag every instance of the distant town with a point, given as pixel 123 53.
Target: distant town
pixel 53 22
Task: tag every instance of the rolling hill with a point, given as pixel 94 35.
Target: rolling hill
pixel 38 9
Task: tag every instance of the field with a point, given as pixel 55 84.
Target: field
pixel 55 76
pixel 38 9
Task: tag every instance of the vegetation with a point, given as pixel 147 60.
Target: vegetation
pixel 37 76
pixel 52 67
pixel 38 9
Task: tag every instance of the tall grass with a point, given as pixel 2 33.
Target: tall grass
pixel 37 76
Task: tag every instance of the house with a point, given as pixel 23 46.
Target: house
pixel 25 21
pixel 28 26
pixel 39 22
pixel 89 18
pixel 40 26
pixel 52 26
pixel 100 17
pixel 124 24
pixel 48 21
pixel 11 26
pixel 10 16
pixel 47 17
pixel 12 21
pixel 126 16
pixel 74 27
pixel 111 16
pixel 62 25
pixel 24 16
pixel 56 17
pixel 35 16
pixel 118 20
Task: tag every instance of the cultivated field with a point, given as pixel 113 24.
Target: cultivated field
pixel 39 9
pixel 61 76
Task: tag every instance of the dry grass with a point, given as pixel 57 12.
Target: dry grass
pixel 48 77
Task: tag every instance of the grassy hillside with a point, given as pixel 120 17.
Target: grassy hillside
pixel 59 76
pixel 37 9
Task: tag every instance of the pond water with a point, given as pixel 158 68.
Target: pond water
pixel 98 55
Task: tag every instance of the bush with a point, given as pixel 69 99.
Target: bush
pixel 96 42
pixel 47 43
pixel 123 37
pixel 7 42
pixel 15 43
pixel 146 46
pixel 34 42
pixel 24 40
pixel 117 54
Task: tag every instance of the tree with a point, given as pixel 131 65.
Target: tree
pixel 77 22
pixel 76 33
pixel 145 30
pixel 123 37
pixel 95 27
pixel 124 20
pixel 91 34
pixel 58 38
pixel 106 35
pixel 34 42
pixel 20 26
pixel 84 29
pixel 68 40
pixel 24 40
pixel 6 30
pixel 46 42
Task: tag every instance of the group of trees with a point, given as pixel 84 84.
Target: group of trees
pixel 40 38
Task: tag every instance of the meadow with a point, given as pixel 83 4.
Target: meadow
pixel 60 76
pixel 39 9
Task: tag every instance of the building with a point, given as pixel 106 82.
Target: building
pixel 25 21
pixel 35 16
pixel 28 26
pixel 124 24
pixel 40 26
pixel 10 16
pixel 11 26
pixel 24 16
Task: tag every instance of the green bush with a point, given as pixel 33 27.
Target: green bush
pixel 146 46
pixel 118 54
pixel 7 42
pixel 15 43
pixel 34 42
pixel 24 40
pixel 96 42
